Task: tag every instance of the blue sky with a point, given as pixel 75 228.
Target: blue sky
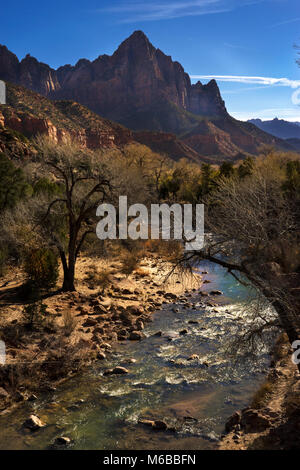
pixel 229 39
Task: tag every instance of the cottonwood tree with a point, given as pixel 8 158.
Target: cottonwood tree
pixel 255 231
pixel 68 218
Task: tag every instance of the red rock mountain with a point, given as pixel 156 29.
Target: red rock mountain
pixel 145 90
pixel 132 86
pixel 28 113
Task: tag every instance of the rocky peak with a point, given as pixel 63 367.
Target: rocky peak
pixel 9 65
pixel 138 86
pixel 206 100
pixel 136 39
pixel 136 47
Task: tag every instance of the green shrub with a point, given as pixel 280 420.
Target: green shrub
pixel 41 266
pixel 45 186
pixel 34 314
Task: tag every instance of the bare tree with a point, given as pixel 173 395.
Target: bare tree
pixel 253 230
pixel 68 219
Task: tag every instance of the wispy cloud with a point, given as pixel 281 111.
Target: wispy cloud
pixel 142 11
pixel 242 90
pixel 281 23
pixel 250 80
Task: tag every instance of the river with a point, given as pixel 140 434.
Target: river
pixel 194 396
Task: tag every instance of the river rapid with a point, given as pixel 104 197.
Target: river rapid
pixel 193 396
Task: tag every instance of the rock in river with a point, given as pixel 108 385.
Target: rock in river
pixel 192 357
pixel 117 370
pixel 139 324
pixel 146 422
pixel 183 332
pixel 62 441
pixel 33 423
pixel 136 335
pixel 101 355
pixel 159 425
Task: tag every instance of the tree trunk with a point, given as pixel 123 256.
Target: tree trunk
pixel 69 274
pixel 68 284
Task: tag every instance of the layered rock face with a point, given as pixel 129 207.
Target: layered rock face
pixel 30 126
pixel 31 114
pixel 136 80
pixel 143 89
pixel 29 72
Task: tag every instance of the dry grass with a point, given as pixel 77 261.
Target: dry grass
pixel 171 250
pixel 130 262
pixel 281 348
pixel 262 395
pixel 69 323
pixel 53 362
pixel 98 278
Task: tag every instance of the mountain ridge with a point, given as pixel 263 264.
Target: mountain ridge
pixel 142 88
pixel 279 127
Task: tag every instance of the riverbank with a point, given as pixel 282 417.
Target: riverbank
pixel 81 327
pixel 181 374
pixel 272 421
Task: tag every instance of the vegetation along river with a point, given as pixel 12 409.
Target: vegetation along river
pixel 194 396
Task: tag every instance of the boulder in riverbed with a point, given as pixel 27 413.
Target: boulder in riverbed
pixel 118 370
pixel 183 332
pixel 253 421
pixel 158 333
pixel 192 357
pixel 62 441
pixel 232 421
pixel 132 360
pixel 101 355
pixel 159 425
pixel 33 423
pixel 139 324
pixel 146 422
pixel 136 335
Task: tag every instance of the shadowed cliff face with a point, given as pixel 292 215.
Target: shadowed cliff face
pixel 133 86
pixel 29 72
pixel 145 90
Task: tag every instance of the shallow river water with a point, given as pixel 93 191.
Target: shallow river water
pixel 194 396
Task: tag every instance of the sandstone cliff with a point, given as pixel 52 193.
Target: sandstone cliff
pixel 143 89
pixel 137 80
